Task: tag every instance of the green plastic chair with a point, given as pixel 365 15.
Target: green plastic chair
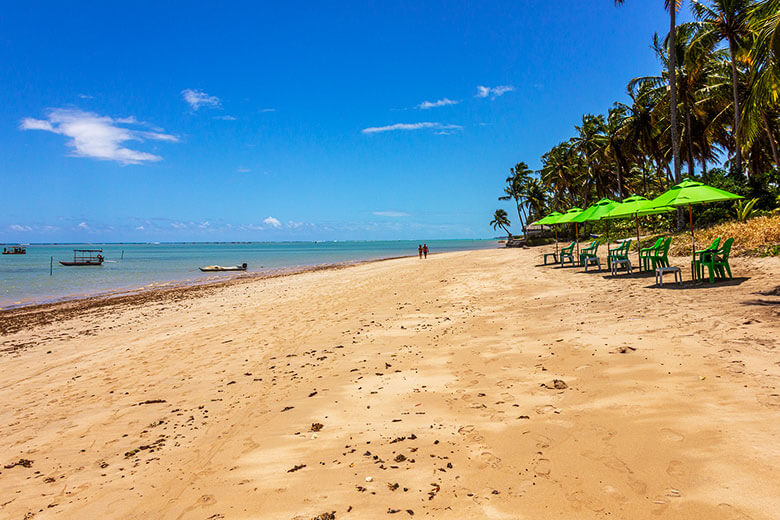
pixel 660 257
pixel 589 251
pixel 567 252
pixel 646 253
pixel 697 271
pixel 618 253
pixel 717 262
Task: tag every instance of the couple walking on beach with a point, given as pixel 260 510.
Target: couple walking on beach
pixel 422 250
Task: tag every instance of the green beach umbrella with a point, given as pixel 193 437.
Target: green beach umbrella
pixel 550 220
pixel 690 192
pixel 568 218
pixel 636 206
pixel 596 212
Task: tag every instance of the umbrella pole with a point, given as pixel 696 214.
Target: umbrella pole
pixel 556 240
pixel 693 240
pixel 638 254
pixel 577 237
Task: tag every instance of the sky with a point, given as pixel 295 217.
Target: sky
pixel 160 121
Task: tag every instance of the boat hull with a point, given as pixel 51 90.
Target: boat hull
pixel 221 269
pixel 78 264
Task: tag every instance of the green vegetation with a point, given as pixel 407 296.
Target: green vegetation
pixel 716 102
pixel 501 220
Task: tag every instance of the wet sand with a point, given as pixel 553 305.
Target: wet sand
pixel 473 384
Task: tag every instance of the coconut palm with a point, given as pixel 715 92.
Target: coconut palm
pixel 515 188
pixel 501 220
pixel 672 6
pixel 727 20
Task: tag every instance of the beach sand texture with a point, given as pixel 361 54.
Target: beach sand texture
pixel 470 385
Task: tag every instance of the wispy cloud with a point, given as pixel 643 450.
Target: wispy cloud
pixel 425 105
pixel 86 96
pixel 98 137
pixel 226 118
pixel 408 127
pixel 390 213
pixel 19 228
pixel 83 225
pixel 198 98
pixel 268 110
pixel 493 92
pixel 241 169
pixel 274 222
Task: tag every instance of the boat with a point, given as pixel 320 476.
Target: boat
pixel 217 268
pixel 85 257
pixel 14 250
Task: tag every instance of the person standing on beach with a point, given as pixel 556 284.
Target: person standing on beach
pixel 419 250
pixel 425 250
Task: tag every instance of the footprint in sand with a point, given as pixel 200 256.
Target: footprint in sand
pixel 671 435
pixel 548 408
pixel 675 468
pixel 732 513
pixel 488 459
pixel 542 467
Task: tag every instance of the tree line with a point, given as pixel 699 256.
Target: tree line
pixel 714 109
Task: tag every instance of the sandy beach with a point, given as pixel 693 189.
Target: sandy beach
pixel 470 385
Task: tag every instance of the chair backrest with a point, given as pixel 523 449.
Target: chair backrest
pixel 626 245
pixel 658 243
pixel 715 244
pixel 725 251
pixel 664 249
pixel 595 245
pixel 569 247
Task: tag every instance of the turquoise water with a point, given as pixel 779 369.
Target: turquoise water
pixel 25 279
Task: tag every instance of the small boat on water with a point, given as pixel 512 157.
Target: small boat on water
pixel 85 257
pixel 216 268
pixel 14 250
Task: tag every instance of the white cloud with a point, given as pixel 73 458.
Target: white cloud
pixel 425 105
pixel 493 92
pixel 390 213
pixel 17 227
pixel 139 228
pixel 409 126
pixel 198 98
pixel 268 110
pixel 86 96
pixel 241 169
pixel 271 221
pixel 96 136
pixel 226 118
pixel 83 225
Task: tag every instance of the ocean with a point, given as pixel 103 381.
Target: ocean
pixel 25 279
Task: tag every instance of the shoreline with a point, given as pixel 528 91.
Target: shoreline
pixel 15 317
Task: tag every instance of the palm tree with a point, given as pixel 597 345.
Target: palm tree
pixel 764 91
pixel 728 20
pixel 515 187
pixel 672 6
pixel 501 220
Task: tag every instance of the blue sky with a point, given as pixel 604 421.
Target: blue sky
pixel 294 121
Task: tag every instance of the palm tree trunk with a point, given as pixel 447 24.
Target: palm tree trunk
pixel 689 139
pixel 772 142
pixel 673 102
pixel 735 89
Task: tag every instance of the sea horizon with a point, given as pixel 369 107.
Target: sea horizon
pixel 37 277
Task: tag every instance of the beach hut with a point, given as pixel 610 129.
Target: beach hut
pixel 688 193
